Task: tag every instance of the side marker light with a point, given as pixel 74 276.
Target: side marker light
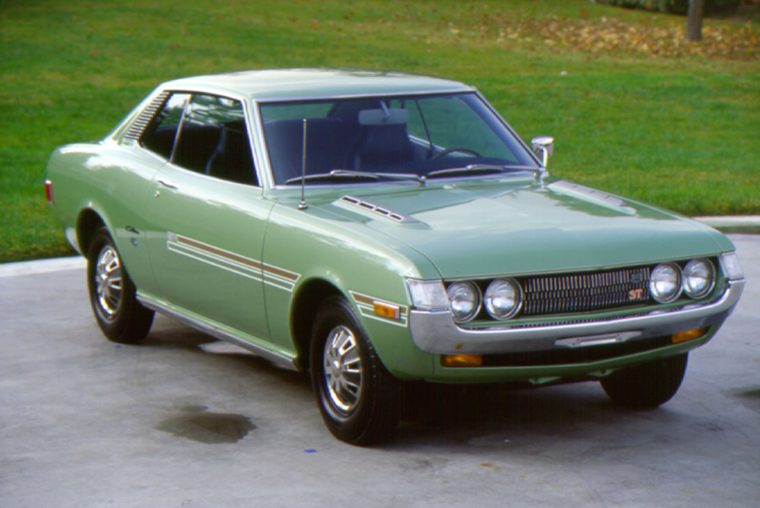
pixel 386 310
pixel 49 191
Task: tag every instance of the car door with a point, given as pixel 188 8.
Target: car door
pixel 208 214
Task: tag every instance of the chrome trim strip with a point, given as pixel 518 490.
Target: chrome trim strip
pixel 294 186
pixel 399 93
pixel 438 181
pixel 598 340
pixel 602 198
pixel 276 357
pixel 258 145
pixel 436 332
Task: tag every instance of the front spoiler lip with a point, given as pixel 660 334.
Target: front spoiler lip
pixel 436 332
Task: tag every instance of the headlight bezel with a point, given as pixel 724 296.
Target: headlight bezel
pixel 678 283
pixel 687 289
pixel 518 297
pixel 477 301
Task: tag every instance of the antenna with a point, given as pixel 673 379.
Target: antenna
pixel 302 205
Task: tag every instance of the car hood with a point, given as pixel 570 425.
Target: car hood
pixel 512 228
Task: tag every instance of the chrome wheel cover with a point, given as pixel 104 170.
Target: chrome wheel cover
pixel 343 369
pixel 108 283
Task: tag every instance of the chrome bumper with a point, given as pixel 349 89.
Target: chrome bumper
pixel 436 332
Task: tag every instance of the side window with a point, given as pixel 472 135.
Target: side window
pixel 213 140
pixel 160 135
pixel 209 133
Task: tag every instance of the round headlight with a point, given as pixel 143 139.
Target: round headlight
pixel 665 283
pixel 502 298
pixel 464 300
pixel 698 278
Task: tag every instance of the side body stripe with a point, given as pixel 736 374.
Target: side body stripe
pixel 232 262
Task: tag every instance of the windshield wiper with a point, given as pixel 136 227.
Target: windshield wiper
pixel 337 174
pixel 472 169
pixel 402 176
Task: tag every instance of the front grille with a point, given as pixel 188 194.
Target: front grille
pixel 580 292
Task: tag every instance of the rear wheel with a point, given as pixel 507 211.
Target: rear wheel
pixel 357 396
pixel 648 385
pixel 112 293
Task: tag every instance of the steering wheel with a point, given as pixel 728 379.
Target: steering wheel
pixel 447 151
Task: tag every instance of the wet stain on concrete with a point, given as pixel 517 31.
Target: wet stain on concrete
pixel 750 398
pixel 708 426
pixel 197 424
pixel 752 393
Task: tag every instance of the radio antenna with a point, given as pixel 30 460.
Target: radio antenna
pixel 302 205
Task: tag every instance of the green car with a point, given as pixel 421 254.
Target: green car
pixel 378 228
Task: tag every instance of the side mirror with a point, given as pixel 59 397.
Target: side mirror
pixel 543 147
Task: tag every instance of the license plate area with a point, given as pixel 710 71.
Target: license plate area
pixel 606 339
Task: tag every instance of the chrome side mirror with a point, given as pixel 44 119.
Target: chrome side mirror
pixel 543 147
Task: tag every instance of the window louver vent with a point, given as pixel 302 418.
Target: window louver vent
pixel 143 119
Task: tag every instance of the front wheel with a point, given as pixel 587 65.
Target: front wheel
pixel 112 294
pixel 357 396
pixel 648 385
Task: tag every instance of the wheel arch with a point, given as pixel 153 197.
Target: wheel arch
pixel 88 222
pixel 306 304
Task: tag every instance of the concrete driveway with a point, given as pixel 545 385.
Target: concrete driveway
pixel 184 421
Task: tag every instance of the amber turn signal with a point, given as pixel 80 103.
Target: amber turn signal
pixel 687 335
pixel 386 310
pixel 462 360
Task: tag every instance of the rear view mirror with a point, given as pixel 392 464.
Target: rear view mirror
pixel 392 116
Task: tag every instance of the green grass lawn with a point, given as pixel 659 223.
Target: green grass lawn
pixel 633 109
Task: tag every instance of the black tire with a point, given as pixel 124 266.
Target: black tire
pixel 112 294
pixel 648 385
pixel 360 408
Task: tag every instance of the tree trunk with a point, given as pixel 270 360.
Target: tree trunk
pixel 694 23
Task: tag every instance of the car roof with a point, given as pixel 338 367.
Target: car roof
pixel 291 84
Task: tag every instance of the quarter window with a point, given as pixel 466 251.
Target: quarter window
pixel 160 135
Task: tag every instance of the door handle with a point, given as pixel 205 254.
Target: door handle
pixel 167 184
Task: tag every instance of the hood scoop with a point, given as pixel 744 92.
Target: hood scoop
pixel 359 205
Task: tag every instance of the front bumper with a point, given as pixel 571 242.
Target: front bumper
pixel 437 333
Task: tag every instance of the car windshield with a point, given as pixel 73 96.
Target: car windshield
pixel 388 138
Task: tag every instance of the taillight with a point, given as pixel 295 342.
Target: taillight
pixel 49 191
